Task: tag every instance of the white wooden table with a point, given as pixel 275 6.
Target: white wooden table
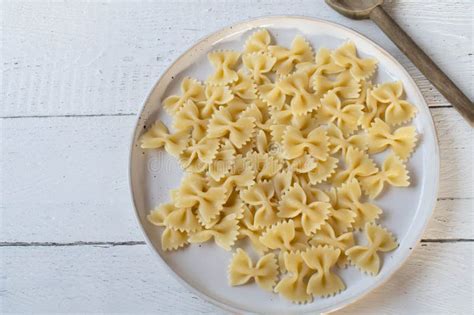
pixel 75 73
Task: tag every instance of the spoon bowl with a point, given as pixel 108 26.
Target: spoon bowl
pixel 354 9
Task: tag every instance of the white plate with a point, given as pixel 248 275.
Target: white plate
pixel 203 268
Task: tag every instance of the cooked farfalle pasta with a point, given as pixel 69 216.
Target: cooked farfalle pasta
pixel 365 257
pixel 393 172
pixel 191 89
pixel 300 51
pixel 402 140
pixel 223 62
pixel 323 282
pixel 265 272
pixel 278 151
pixel 346 56
pixel 398 111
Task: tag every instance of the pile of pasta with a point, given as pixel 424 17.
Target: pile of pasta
pixel 276 147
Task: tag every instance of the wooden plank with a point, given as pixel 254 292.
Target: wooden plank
pixel 127 279
pixel 82 58
pixel 67 179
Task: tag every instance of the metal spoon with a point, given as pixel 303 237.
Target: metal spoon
pixel 372 9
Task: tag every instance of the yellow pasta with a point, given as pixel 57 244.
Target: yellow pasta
pixel 278 153
pixel 241 270
pixel 365 257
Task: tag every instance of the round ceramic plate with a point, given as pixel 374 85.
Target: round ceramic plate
pixel 203 268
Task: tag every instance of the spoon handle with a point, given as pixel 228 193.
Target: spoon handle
pixel 437 77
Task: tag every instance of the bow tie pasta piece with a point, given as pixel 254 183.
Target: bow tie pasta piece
pixel 361 98
pixel 158 136
pixel 393 172
pixel 293 285
pixel 398 111
pixel 346 118
pixel 173 239
pixel 195 192
pixel 348 197
pixel 258 64
pixel 223 161
pixel 198 154
pixel 338 142
pixel 265 166
pixel 265 272
pixel 191 89
pixel 233 205
pixel 261 115
pixel 327 236
pixel 358 164
pixel 282 182
pixel 300 51
pixel 260 195
pixel 297 86
pixel 373 109
pixel 190 118
pixel 215 97
pixel 257 42
pixel 224 233
pixel 366 258
pixel 244 87
pixel 303 164
pixel 272 94
pixel 158 215
pixel 323 282
pixel 323 170
pixel 284 235
pixel 295 143
pixel 249 230
pixel 324 64
pixel 346 56
pixel 183 220
pixel 241 176
pixel 238 130
pixel 295 203
pixel 402 140
pixel 223 62
pixel 344 85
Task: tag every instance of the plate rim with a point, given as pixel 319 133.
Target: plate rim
pixel 256 23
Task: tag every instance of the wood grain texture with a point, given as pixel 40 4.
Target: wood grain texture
pixel 128 279
pixel 81 163
pixel 68 237
pixel 102 57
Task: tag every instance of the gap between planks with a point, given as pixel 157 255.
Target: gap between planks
pixel 123 114
pixel 134 243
